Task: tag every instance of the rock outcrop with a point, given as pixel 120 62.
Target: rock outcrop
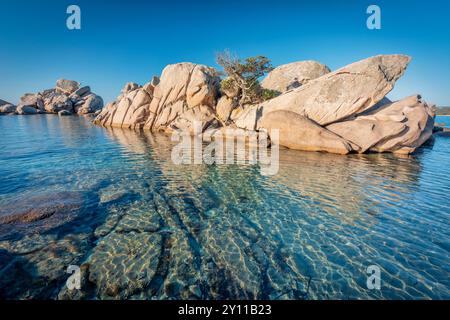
pixel 67 86
pixel 7 108
pixel 419 122
pixel 130 110
pixel 186 92
pixel 3 102
pixel 399 127
pixel 300 133
pixel 293 75
pixel 26 109
pixel 342 111
pixel 66 96
pixel 337 95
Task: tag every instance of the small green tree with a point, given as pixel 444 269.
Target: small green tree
pixel 243 76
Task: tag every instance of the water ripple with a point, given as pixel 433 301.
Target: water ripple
pixel 148 229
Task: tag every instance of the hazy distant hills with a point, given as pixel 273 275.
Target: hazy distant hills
pixel 443 111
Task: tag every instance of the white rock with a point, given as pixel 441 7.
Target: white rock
pixel 67 86
pixel 337 95
pixel 293 75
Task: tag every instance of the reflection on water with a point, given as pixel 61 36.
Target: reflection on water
pixel 144 228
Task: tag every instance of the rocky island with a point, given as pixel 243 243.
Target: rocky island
pixel 67 98
pixel 317 110
pixel 314 109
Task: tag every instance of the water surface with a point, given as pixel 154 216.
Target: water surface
pixel 112 201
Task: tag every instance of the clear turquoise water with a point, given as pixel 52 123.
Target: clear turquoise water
pixel 142 228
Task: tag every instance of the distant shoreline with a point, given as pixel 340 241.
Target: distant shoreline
pixel 443 111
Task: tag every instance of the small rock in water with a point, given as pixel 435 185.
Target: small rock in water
pixel 64 113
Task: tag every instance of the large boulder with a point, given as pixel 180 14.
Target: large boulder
pixel 231 91
pixel 293 75
pixel 399 127
pixel 224 108
pixel 7 108
pixel 337 95
pixel 90 104
pixel 106 115
pixel 83 91
pixel 32 100
pixel 365 133
pixel 26 109
pixel 130 111
pixel 67 86
pixel 419 121
pixel 130 86
pixel 150 86
pixel 299 133
pixel 3 102
pixel 57 102
pixel 186 93
pixel 63 113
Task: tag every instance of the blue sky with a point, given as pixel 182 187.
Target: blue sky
pixel 122 41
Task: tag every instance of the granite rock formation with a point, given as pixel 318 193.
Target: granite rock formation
pixel 293 75
pixel 67 96
pixel 341 112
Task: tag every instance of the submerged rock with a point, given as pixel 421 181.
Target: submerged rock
pixel 41 213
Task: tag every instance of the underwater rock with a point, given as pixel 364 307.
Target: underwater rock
pixel 41 213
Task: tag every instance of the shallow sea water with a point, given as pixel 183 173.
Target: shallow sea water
pixel 140 227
